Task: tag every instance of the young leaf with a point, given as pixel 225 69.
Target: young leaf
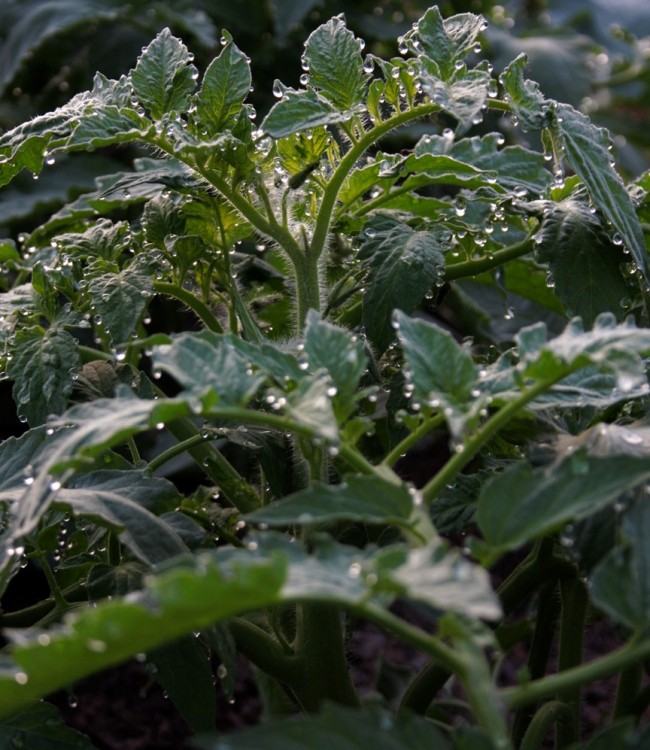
pixel 587 151
pixel 445 41
pixel 42 367
pixel 298 111
pixel 335 726
pixel 335 65
pixel 333 349
pixel 574 245
pixel 528 103
pixel 403 265
pixel 464 97
pixel 364 498
pixel 438 370
pixel 163 78
pixel 522 503
pixel 119 299
pixel 223 90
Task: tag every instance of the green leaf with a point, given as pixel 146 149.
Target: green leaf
pixel 8 251
pixel 42 367
pixel 41 728
pixel 223 90
pixel 200 361
pixel 184 599
pixel 183 669
pixel 163 78
pixel 575 246
pixel 300 110
pixel 445 41
pixel 403 265
pixel 335 65
pixel 620 584
pixel 118 499
pixel 586 147
pixel 310 404
pixel 528 103
pixel 524 503
pixel 464 98
pixel 335 726
pixel 119 299
pixel 367 499
pixel 439 372
pixel 339 353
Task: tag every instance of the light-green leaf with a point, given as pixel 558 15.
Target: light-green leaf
pixel 223 90
pixel 335 64
pixel 527 101
pixel 301 110
pixel 163 78
pixel 439 372
pixel 403 265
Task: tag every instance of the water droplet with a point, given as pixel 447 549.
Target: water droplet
pixel 222 672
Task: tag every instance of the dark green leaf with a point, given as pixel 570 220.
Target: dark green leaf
pixel 367 499
pixel 163 78
pixel 335 64
pixel 183 669
pixel 41 728
pixel 42 368
pixel 119 299
pixel 528 103
pixel 523 503
pixel 439 372
pixel 300 110
pixel 574 245
pixel 587 150
pixel 403 265
pixel 620 584
pixel 223 90
pixel 335 726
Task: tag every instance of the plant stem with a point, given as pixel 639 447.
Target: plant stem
pixel 549 714
pixel 524 695
pixel 422 691
pixel 198 307
pixel 572 625
pixel 459 460
pixel 494 260
pixel 427 426
pixel 627 690
pixel 176 450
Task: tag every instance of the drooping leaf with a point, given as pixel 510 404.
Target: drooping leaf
pixel 119 299
pixel 163 78
pixel 523 503
pixel 335 64
pixel 528 103
pixel 209 361
pixel 301 110
pixel 183 670
pixel 587 150
pixel 367 499
pixel 340 354
pixel 334 726
pixel 403 265
pixel 41 727
pixel 574 245
pixel 223 90
pixel 42 367
pixel 439 371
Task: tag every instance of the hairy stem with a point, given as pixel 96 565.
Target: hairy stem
pixel 198 307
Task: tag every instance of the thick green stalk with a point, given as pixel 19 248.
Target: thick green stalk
pixel 574 599
pixel 628 690
pixel 422 691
